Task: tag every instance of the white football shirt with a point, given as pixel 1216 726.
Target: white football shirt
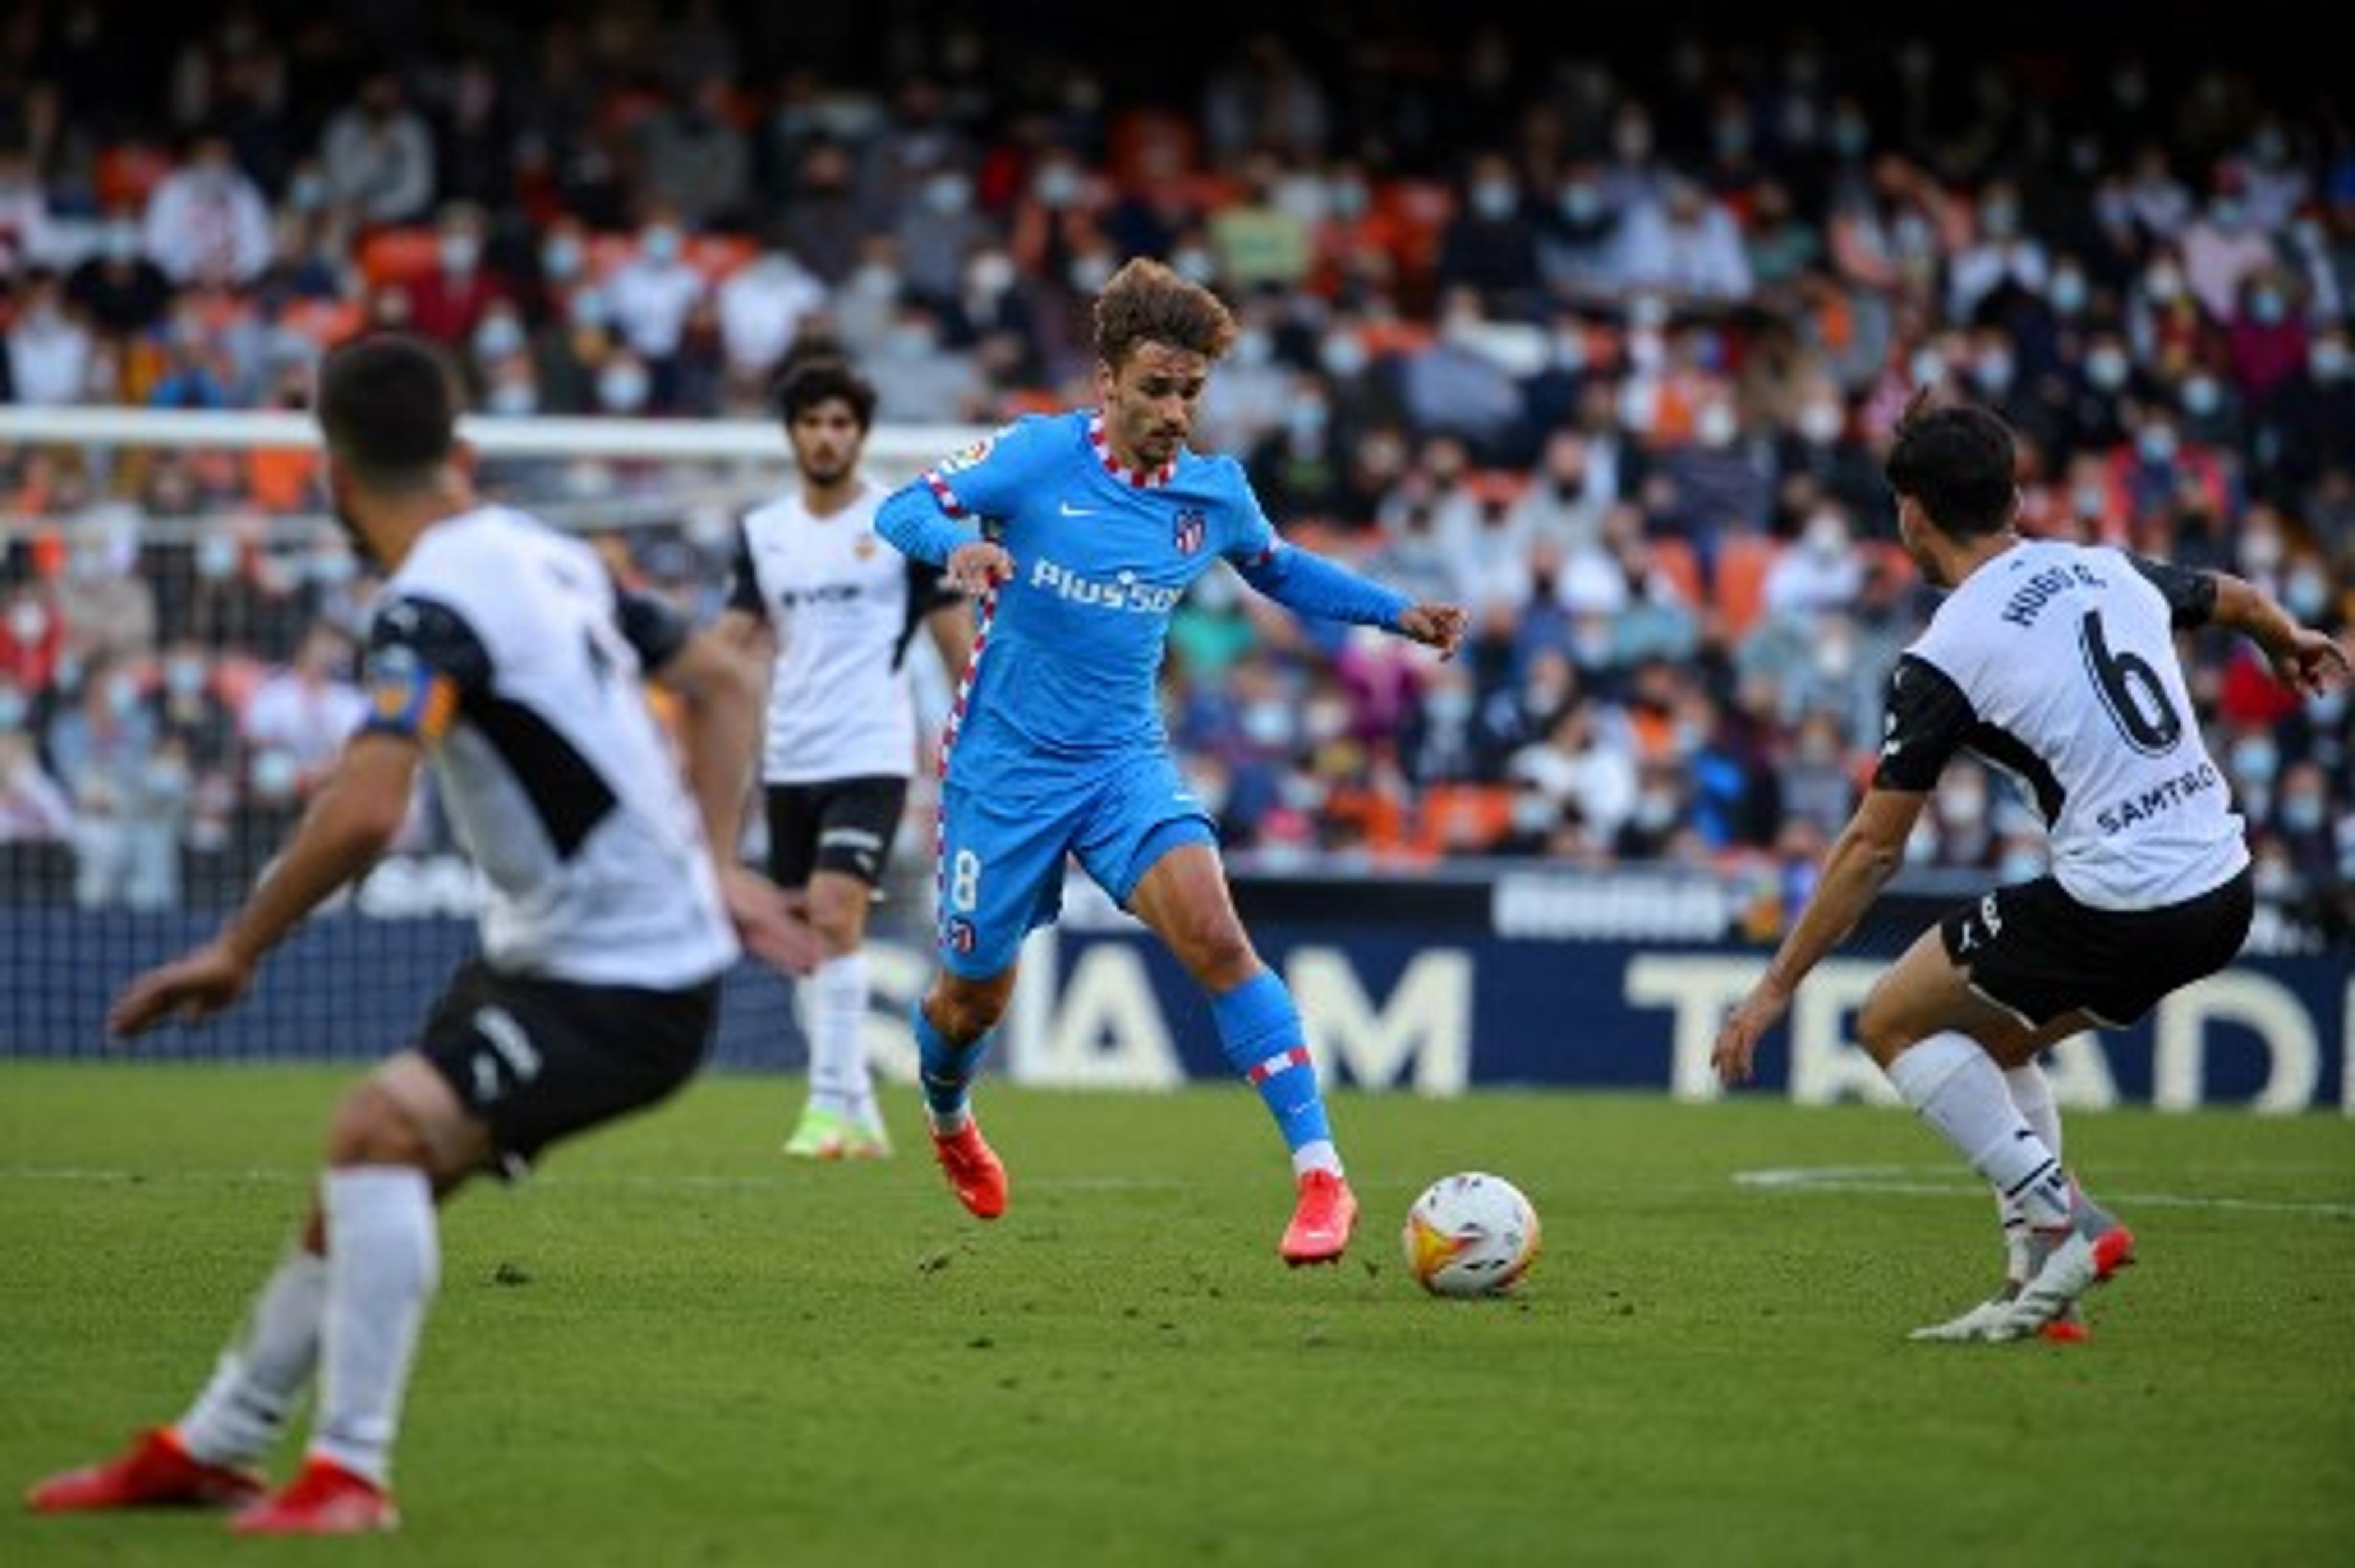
pixel 506 647
pixel 843 604
pixel 2056 664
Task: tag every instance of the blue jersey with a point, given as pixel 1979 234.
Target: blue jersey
pixel 1068 652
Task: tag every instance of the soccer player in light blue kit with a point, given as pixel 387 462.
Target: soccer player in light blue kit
pixel 1080 532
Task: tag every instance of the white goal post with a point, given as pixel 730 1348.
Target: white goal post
pixel 894 452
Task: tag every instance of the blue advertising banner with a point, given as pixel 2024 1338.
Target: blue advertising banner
pixel 1548 981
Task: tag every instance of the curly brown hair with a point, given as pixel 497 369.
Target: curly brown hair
pixel 1146 302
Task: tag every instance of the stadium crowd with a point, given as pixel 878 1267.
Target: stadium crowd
pixel 1605 350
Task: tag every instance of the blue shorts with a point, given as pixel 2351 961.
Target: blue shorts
pixel 1001 859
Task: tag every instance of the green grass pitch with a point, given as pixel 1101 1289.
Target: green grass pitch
pixel 674 1346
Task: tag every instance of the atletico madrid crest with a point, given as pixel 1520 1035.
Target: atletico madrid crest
pixel 1188 536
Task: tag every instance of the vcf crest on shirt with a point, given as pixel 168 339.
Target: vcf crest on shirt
pixel 1188 534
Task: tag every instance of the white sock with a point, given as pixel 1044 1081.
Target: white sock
pixel 1318 1154
pixel 839 1076
pixel 1959 1090
pixel 263 1370
pixel 2032 1094
pixel 384 1259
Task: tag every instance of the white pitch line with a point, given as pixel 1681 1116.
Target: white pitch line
pixel 1901 1180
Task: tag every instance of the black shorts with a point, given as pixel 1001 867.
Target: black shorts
pixel 841 824
pixel 2035 951
pixel 540 1060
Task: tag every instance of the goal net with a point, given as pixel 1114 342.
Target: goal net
pixel 179 628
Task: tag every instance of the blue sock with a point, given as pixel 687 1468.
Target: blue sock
pixel 1260 1030
pixel 946 1070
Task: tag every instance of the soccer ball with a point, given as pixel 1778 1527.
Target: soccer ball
pixel 1470 1234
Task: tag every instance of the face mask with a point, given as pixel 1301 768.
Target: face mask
pixel 1307 419
pixel 1342 354
pixel 121 697
pixel 1268 725
pixel 1993 372
pixel 623 390
pixel 1820 423
pixel 2157 443
pixel 1325 721
pixel 662 244
pixel 1492 200
pixel 460 252
pixel 560 258
pixel 1655 809
pixel 2306 593
pixel 2267 307
pixel 184 677
pixel 215 557
pixel 496 338
pixel 1716 427
pixel 28 623
pixel 2000 220
pixel 2227 213
pixel 1569 351
pixel 2302 813
pixel 990 274
pixel 2202 396
pixel 1532 814
pixel 13 708
pixel 948 193
pixel 510 399
pixel 2165 285
pixel 2088 501
pixel 2106 368
pixel 2068 292
pixel 274 774
pixel 1089 274
pixel 1253 347
pixel 1632 140
pixel 1826 535
pixel 1929 368
pixel 1057 186
pixel 1348 200
pixel 2325 711
pixel 333 568
pixel 2330 360
pixel 1850 136
pixel 122 241
pixel 2254 760
pixel 1193 263
pixel 306 192
pixel 1581 203
pixel 1450 706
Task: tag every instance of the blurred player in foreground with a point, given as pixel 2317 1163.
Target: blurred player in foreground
pixel 833 610
pixel 1080 532
pixel 503 652
pixel 2056 662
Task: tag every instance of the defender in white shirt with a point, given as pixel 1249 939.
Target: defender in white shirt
pixel 834 609
pixel 503 653
pixel 2058 664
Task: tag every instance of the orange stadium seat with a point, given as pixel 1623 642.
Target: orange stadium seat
pixel 1742 560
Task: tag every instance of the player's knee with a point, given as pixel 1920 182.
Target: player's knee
pixel 371 1127
pixel 839 916
pixel 1214 947
pixel 964 1011
pixel 1882 1028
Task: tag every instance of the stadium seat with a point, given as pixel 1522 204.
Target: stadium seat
pixel 1740 587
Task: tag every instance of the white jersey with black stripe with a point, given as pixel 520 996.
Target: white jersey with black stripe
pixel 555 773
pixel 843 604
pixel 2056 662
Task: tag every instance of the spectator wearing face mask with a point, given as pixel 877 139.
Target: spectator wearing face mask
pixel 206 222
pixel 377 155
pixel 2266 340
pixel 2312 415
pixel 449 301
pixel 129 791
pixel 650 298
pixel 2224 247
pixel 1489 244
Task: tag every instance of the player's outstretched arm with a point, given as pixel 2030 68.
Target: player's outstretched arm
pixel 2304 659
pixel 357 810
pixel 1311 585
pixel 1868 852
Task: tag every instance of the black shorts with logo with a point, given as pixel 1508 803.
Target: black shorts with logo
pixel 2034 950
pixel 840 825
pixel 540 1060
